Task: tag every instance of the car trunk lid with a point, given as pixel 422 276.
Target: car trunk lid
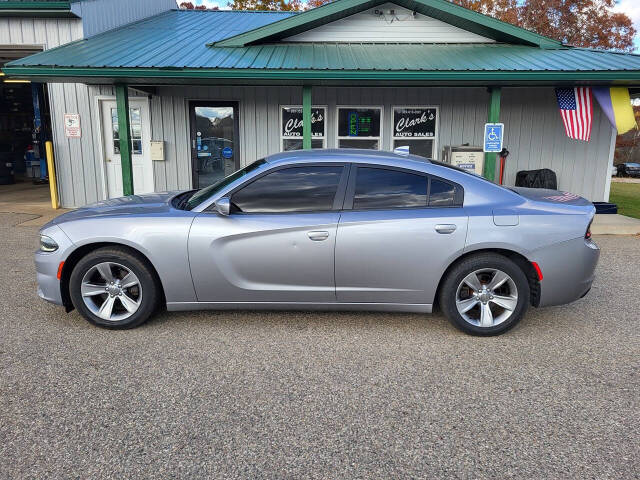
pixel 556 197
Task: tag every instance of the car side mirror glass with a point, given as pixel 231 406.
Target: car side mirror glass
pixel 223 206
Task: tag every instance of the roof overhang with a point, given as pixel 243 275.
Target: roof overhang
pixel 173 76
pixel 36 9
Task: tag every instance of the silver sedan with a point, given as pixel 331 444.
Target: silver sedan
pixel 325 230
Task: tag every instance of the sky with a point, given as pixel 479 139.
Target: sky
pixel 210 3
pixel 630 7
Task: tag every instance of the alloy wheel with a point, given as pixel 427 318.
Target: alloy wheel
pixel 111 291
pixel 487 297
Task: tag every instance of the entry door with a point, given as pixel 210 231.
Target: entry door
pixel 214 141
pixel 142 165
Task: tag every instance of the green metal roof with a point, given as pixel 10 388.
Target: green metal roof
pixel 35 8
pixel 172 45
pixel 442 10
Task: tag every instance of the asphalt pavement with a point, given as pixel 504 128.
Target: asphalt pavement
pixel 319 395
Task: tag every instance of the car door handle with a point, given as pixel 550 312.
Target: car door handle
pixel 445 228
pixel 318 235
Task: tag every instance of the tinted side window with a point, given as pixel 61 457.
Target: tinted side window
pixel 441 194
pixel 379 188
pixel 295 189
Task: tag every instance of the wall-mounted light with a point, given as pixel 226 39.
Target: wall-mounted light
pixel 11 80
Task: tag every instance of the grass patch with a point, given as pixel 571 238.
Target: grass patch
pixel 627 197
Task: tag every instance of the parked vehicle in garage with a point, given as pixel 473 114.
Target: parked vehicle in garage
pixel 325 229
pixel 629 169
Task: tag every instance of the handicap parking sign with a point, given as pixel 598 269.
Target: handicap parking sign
pixel 493 136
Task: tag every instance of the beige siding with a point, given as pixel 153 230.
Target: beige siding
pixel 403 26
pixel 101 15
pixel 43 32
pixel 534 132
pixel 535 137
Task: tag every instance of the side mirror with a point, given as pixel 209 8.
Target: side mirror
pixel 223 206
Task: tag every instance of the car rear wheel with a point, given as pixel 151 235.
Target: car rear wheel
pixel 485 294
pixel 113 288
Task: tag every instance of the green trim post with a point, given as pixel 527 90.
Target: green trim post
pixel 306 117
pixel 489 171
pixel 122 104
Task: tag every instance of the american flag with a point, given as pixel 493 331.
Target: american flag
pixel 576 108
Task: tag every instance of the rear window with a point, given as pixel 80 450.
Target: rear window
pixel 441 194
pixel 379 188
pixel 383 188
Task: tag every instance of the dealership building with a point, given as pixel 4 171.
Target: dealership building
pixel 210 91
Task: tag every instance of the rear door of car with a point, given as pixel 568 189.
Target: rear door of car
pixel 277 244
pixel 398 232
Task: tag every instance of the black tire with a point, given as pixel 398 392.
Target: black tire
pixel 454 278
pixel 150 288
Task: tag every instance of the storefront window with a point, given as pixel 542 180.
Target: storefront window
pixel 360 127
pixel 291 127
pixel 415 127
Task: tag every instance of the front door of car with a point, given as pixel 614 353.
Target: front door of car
pixel 277 244
pixel 398 233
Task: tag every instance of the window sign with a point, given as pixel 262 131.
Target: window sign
pixel 414 122
pixel 291 127
pixel 415 127
pixel 359 127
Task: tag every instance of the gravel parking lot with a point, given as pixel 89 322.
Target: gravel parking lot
pixel 319 395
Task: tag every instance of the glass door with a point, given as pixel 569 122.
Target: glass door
pixel 214 141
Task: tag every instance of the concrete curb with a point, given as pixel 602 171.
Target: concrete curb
pixel 615 225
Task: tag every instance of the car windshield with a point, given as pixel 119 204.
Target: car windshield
pixel 635 165
pixel 205 193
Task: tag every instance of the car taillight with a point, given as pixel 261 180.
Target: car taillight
pixel 587 235
pixel 536 267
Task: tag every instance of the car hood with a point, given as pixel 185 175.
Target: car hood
pixel 153 203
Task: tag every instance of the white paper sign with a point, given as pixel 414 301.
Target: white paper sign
pixel 72 125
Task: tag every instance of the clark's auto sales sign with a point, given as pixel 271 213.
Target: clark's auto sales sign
pixel 292 122
pixel 414 122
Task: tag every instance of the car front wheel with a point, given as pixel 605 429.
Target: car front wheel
pixel 485 294
pixel 113 288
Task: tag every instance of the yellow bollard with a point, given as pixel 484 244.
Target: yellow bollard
pixel 53 186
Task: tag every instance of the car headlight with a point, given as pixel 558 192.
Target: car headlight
pixel 47 244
